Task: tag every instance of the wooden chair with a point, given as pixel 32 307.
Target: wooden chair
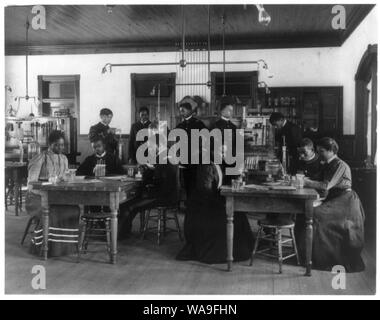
pixel 162 218
pixel 276 239
pixel 167 201
pixel 94 225
pixel 32 220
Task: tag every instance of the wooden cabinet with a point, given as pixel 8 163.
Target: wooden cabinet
pixel 60 103
pixel 318 110
pixel 242 85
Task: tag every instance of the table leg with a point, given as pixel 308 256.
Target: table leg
pixel 230 231
pixel 16 190
pixel 114 201
pixel 45 225
pixel 309 236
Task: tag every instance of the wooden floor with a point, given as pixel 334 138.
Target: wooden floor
pixel 145 268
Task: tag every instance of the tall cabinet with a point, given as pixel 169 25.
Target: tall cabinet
pixel 59 95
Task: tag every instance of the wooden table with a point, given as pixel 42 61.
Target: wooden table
pixel 299 201
pixel 103 193
pixel 16 171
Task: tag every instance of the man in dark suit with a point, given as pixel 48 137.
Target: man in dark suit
pixel 289 133
pixel 103 130
pixel 189 123
pixel 143 123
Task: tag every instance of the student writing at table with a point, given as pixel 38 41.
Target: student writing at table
pixel 113 164
pixel 113 167
pixel 339 221
pixel 310 162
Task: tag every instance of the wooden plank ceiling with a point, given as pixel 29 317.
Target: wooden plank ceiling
pixel 130 28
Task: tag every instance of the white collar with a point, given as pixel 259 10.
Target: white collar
pixel 103 123
pixel 144 121
pixel 102 155
pixel 188 118
pixel 224 118
pixel 332 158
pixel 220 174
pixel 285 121
pixel 312 158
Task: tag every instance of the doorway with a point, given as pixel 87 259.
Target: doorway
pixel 147 89
pixel 365 104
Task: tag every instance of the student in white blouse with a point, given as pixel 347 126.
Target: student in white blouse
pixel 63 220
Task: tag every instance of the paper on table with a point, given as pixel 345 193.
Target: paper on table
pixel 256 187
pixel 118 178
pixel 283 188
pixel 85 181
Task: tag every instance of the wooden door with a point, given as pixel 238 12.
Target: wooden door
pixel 143 95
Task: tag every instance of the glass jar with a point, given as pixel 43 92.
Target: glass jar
pixel 273 166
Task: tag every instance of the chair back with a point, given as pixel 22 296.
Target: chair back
pixel 168 184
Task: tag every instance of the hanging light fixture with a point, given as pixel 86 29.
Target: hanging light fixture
pixel 264 17
pixel 109 8
pixel 183 63
pixel 33 101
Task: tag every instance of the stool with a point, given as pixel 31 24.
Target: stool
pixel 92 227
pixel 276 238
pixel 161 218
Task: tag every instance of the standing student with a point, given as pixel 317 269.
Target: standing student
pixel 103 129
pixel 143 123
pixel 189 123
pixel 225 123
pixel 291 134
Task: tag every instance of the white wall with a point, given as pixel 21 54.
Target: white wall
pixel 352 51
pixel 291 67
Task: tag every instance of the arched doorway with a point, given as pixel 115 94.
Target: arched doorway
pixel 365 105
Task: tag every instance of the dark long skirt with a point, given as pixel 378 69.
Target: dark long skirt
pixel 63 227
pixel 338 233
pixel 205 233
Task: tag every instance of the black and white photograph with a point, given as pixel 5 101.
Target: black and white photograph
pixel 194 149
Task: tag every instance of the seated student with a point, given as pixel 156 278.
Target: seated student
pixel 63 219
pixel 113 165
pixel 162 189
pixel 309 161
pixel 205 222
pixel 339 221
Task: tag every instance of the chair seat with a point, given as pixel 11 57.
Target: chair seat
pixel 143 204
pixel 276 223
pixel 97 216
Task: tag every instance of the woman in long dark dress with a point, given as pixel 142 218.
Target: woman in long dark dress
pixel 205 222
pixel 63 219
pixel 339 221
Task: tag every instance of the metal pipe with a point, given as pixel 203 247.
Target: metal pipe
pixel 26 59
pixel 224 54
pixel 183 33
pixel 177 63
pixel 209 45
